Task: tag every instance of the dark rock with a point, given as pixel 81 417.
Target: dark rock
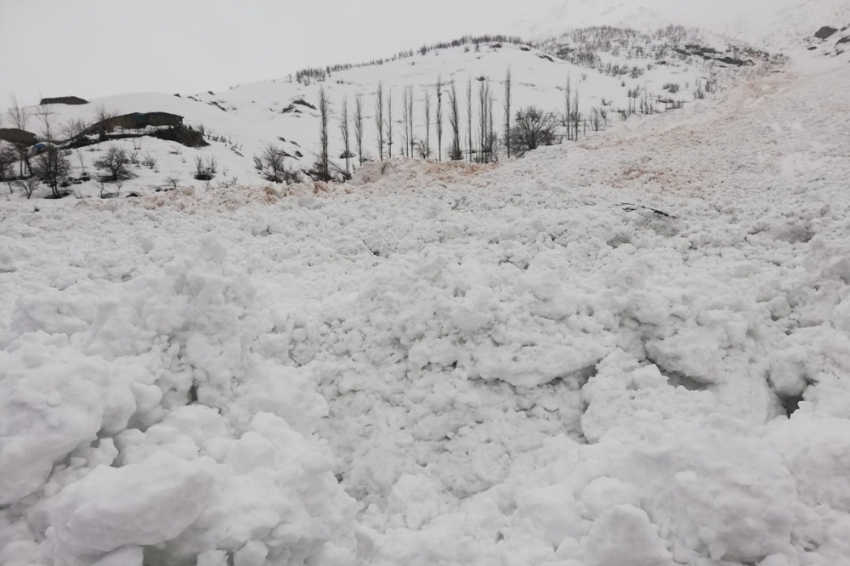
pixel 825 32
pixel 844 40
pixel 303 102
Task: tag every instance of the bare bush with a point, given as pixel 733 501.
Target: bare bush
pixel 273 167
pixel 74 128
pixel 28 186
pixel 532 128
pixel 149 161
pixel 205 169
pixel 52 167
pixel 115 163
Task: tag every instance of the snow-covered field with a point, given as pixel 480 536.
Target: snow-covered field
pixel 631 351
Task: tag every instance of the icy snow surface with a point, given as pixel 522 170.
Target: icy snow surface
pixel 448 363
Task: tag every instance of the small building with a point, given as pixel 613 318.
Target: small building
pixel 70 100
pixel 17 137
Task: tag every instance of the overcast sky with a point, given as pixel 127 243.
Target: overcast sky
pixel 92 48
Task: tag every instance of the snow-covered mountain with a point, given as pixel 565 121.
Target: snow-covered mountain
pixel 772 24
pixel 609 69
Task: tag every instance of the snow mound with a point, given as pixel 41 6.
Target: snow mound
pixel 110 440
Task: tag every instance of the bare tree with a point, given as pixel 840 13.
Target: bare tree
pixel 18 114
pixel 51 166
pixel 390 123
pixel 324 114
pixel 567 118
pixel 427 101
pixel 358 126
pixel 507 105
pixel 469 118
pixel 439 118
pixel 492 139
pixel 272 161
pixel 74 128
pixel 455 153
pixel 344 130
pixel 101 113
pixel 483 121
pixel 532 128
pixel 410 118
pixel 28 186
pixel 116 163
pixel 405 121
pixel 379 119
pixel 19 117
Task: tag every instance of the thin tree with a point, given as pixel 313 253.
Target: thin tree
pixel 410 117
pixel 455 153
pixel 507 105
pixel 358 126
pixel 576 116
pixel 439 118
pixel 483 121
pixel 405 121
pixel 390 123
pixel 19 117
pixel 427 101
pixel 346 134
pixel 324 114
pixel 492 141
pixel 469 118
pixel 379 119
pixel 567 107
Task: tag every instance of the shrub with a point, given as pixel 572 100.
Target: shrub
pixel 52 167
pixel 115 163
pixel 532 128
pixel 205 169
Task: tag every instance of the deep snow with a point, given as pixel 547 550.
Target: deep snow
pixel 449 363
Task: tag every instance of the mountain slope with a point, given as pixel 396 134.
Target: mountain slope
pixel 610 70
pixel 772 24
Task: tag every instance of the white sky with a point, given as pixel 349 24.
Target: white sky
pixel 92 48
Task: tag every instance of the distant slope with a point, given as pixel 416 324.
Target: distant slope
pixel 775 24
pixel 609 68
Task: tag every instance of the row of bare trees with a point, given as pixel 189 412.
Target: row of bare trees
pixel 523 130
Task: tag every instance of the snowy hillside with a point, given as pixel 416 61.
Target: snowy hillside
pixel 610 70
pixel 773 24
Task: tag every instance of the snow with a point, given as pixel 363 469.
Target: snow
pixel 449 363
pixel 241 121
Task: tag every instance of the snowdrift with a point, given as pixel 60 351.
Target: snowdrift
pixel 633 350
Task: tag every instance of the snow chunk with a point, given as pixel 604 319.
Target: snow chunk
pixel 553 510
pixel 624 536
pixel 52 399
pixel 145 503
